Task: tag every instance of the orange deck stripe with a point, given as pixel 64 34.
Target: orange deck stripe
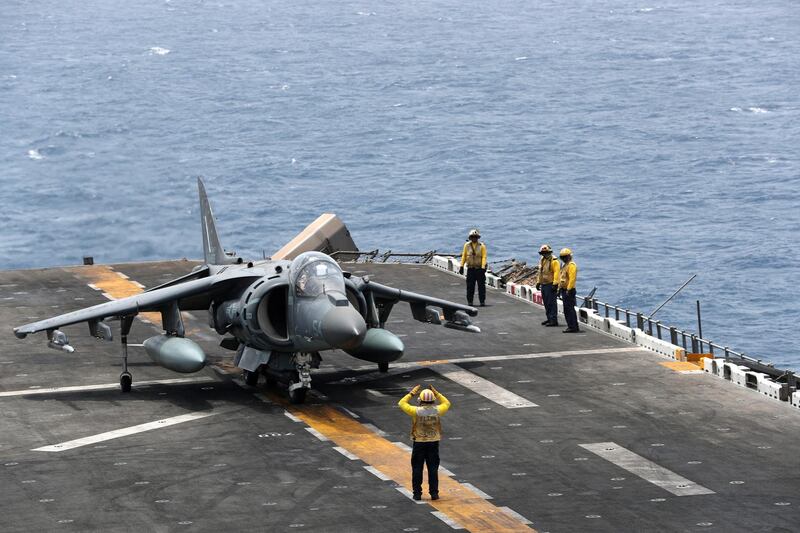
pixel 681 366
pixel 458 502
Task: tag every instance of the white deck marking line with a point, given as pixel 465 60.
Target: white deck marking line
pixel 291 417
pixel 124 432
pixel 346 453
pixel 317 434
pixel 405 366
pixel 105 386
pixel 93 286
pixel 482 386
pixel 512 513
pixel 375 429
pixel 447 520
pixel 403 446
pixel 478 491
pixel 446 472
pixel 407 493
pixel 349 412
pixel 646 469
pixel 377 473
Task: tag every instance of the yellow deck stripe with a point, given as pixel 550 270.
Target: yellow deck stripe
pixel 110 282
pixel 458 502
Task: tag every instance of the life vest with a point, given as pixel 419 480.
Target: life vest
pixel 569 275
pixel 547 270
pixel 427 425
pixel 474 254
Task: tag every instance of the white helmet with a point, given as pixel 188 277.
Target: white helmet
pixel 474 233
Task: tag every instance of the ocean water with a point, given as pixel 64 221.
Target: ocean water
pixel 656 139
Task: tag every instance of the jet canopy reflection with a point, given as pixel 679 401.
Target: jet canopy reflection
pixel 314 273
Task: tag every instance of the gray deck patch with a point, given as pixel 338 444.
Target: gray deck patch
pixel 646 469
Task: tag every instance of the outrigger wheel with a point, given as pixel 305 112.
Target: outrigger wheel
pixel 383 367
pixel 125 381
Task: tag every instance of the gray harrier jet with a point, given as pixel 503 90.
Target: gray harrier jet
pixel 276 314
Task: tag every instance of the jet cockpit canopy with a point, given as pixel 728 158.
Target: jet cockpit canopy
pixel 314 273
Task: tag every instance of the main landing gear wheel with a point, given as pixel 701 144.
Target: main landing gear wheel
pixel 125 381
pixel 383 367
pixel 298 395
pixel 251 378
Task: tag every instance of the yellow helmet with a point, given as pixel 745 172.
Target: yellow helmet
pixel 565 252
pixel 545 249
pixel 427 396
pixel 475 233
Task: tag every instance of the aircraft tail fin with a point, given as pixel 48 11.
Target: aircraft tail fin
pixel 213 252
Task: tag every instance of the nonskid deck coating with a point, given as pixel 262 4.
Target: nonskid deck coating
pixel 252 466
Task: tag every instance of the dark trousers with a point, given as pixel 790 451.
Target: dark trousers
pixel 549 299
pixel 568 298
pixel 476 275
pixel 425 453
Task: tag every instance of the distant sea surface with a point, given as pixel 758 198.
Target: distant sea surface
pixel 655 139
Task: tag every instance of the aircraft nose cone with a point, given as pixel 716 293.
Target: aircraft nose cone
pixel 343 327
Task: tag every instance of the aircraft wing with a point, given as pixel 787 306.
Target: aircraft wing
pixel 195 292
pixel 422 306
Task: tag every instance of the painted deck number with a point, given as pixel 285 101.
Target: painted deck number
pixel 274 434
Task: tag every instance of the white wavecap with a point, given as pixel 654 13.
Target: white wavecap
pixel 35 155
pixel 159 51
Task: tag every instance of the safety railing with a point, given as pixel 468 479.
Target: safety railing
pixel 376 256
pixel 689 341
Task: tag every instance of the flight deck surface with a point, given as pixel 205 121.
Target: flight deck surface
pixel 548 431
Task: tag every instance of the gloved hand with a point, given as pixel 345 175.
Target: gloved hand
pixel 461 270
pixel 555 289
pixel 538 286
pixel 415 390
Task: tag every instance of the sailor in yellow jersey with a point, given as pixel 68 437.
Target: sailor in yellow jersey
pixel 426 432
pixel 474 256
pixel 569 275
pixel 547 282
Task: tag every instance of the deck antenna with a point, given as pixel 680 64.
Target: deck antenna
pixel 673 295
pixel 699 321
